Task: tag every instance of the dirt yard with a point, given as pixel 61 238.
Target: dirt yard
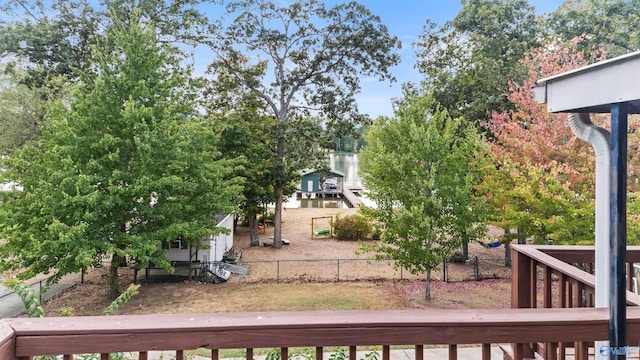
pixel 279 280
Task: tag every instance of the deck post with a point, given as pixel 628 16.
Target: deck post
pixel 618 230
pixel 521 290
pixel 520 280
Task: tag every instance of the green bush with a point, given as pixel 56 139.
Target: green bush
pixel 269 217
pixel 352 227
pixel 457 257
pixel 377 233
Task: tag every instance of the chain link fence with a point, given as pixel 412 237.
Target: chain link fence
pixel 331 270
pixel 11 305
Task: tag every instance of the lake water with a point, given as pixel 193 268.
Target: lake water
pixel 342 162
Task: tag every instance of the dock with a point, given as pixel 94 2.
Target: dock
pixel 351 197
pixel 347 193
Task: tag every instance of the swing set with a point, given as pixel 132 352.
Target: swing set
pixel 322 233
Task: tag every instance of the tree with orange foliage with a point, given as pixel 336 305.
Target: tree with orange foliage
pixel 542 180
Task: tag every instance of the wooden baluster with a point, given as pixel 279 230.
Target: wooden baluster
pixel 569 294
pixel 319 353
pixel 518 351
pixel 419 352
pixel 534 284
pixel 486 351
pixel 143 355
pixel 563 291
pixel 284 353
pixel 547 297
pixel 386 352
pixel 581 350
pixel 249 355
pixel 629 276
pixel 577 295
pixel 353 353
pixel 453 352
pixel 179 355
pixel 562 351
pixel 215 354
pixel 104 356
pixel 551 351
pixel 67 357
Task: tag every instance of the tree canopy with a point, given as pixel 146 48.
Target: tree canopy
pixel 613 25
pixel 469 61
pixel 544 176
pixel 301 60
pixel 422 170
pixel 126 167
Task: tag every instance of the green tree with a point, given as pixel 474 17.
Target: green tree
pixel 51 38
pixel 247 133
pixel 46 45
pixel 469 60
pixel 422 170
pixel 42 47
pixel 173 21
pixel 126 167
pixel 22 108
pixel 314 57
pixel 613 25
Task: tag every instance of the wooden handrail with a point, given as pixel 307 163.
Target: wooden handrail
pixel 543 258
pixel 555 257
pixel 78 335
pixel 581 254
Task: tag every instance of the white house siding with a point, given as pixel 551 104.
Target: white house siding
pixel 217 244
pixel 221 243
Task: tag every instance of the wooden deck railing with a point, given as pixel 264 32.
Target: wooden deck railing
pixel 550 317
pixel 559 277
pixel 26 337
pixel 547 276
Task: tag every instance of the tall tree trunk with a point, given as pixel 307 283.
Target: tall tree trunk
pixel 114 281
pixel 280 175
pixel 277 224
pixel 520 239
pixel 465 250
pixel 253 229
pixel 427 294
pixel 507 250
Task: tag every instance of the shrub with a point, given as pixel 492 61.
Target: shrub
pixel 269 217
pixel 457 257
pixel 352 227
pixel 377 233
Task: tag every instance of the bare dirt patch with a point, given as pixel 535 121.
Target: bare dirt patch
pixel 280 282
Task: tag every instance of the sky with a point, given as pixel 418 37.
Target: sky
pixel 405 19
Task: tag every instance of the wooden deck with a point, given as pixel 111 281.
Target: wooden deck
pixel 142 333
pixel 551 318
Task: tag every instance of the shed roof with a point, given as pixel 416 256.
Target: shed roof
pixel 331 173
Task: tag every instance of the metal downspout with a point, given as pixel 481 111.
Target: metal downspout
pixel 599 139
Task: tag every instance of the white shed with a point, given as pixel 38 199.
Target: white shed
pixel 186 259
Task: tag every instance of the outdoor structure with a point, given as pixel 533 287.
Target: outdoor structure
pixel 606 87
pixel 315 181
pixel 213 249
